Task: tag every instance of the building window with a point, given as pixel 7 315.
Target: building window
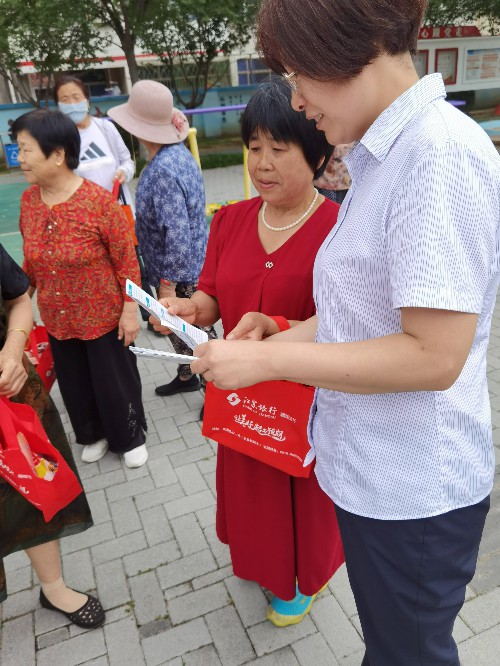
pixel 251 71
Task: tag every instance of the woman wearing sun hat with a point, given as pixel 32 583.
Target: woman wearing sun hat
pixel 170 204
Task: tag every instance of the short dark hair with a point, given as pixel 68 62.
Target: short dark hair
pixel 67 78
pixel 51 129
pixel 269 111
pixel 334 40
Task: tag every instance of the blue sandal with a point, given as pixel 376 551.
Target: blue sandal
pixel 284 613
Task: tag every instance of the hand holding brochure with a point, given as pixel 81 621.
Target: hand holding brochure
pixel 191 335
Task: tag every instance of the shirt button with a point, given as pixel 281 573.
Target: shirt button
pixel 63 311
pixel 53 272
pixel 269 264
pixel 49 227
pixel 58 293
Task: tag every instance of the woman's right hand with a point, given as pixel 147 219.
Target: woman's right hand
pixel 253 326
pixel 185 308
pixel 12 374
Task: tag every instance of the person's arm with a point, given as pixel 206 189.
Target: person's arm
pixel 428 355
pixel 118 242
pixel 126 170
pixel 20 322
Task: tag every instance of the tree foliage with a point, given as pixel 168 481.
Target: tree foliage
pixel 49 34
pixel 125 18
pixel 188 36
pixel 461 12
pixel 65 34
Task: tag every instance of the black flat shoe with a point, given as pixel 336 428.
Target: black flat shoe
pixel 179 386
pixel 89 616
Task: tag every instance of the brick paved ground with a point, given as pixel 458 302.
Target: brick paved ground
pixel 167 583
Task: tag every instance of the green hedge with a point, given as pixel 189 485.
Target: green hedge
pixel 215 160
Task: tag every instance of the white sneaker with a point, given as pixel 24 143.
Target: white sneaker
pixel 94 452
pixel 136 457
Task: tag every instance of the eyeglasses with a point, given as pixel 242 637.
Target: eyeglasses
pixel 291 79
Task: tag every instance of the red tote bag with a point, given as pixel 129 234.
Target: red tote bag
pixel 267 421
pixel 30 463
pixel 40 354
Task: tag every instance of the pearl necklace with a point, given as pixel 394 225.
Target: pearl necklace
pixel 294 224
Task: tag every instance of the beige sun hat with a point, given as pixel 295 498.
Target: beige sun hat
pixel 149 114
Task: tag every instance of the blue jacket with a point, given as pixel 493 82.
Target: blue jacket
pixel 171 225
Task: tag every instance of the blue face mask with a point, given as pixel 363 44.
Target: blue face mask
pixel 76 112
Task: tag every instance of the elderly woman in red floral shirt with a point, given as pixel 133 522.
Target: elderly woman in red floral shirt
pixel 78 252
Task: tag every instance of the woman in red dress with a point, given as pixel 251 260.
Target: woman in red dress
pixel 281 530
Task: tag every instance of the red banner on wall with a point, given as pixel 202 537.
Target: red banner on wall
pixel 446 32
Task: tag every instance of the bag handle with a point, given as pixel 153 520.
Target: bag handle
pixel 116 189
pixel 118 192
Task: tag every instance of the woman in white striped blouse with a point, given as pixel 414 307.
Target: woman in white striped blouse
pixel 405 288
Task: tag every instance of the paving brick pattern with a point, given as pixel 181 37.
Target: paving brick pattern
pixel 166 582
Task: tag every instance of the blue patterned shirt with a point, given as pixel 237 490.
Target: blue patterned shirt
pixel 171 226
pixel 419 228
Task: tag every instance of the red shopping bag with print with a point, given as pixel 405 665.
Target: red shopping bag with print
pixel 40 354
pixel 267 421
pixel 30 463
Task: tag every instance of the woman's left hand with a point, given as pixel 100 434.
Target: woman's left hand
pixel 120 176
pixel 12 374
pixel 128 326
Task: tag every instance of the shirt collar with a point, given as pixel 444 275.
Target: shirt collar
pixel 382 134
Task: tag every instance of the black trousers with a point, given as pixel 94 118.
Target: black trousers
pixel 409 579
pixel 101 388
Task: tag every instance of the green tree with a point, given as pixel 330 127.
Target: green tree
pixel 125 19
pixel 49 34
pixel 187 36
pixel 461 12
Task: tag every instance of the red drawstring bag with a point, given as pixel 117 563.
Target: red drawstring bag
pixel 40 354
pixel 30 463
pixel 267 421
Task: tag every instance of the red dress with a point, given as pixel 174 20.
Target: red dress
pixel 279 528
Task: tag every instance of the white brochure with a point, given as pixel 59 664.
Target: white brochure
pixel 162 355
pixel 191 335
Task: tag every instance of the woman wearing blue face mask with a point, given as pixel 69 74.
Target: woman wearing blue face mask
pixel 104 157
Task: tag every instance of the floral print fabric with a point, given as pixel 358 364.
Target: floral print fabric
pixel 171 226
pixel 336 176
pixel 78 255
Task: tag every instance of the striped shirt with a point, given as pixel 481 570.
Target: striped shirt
pixel 419 228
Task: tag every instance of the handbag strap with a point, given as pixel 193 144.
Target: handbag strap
pixel 118 192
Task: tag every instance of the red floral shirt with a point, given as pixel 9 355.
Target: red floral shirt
pixel 78 255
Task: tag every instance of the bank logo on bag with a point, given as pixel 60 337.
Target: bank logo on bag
pixel 233 399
